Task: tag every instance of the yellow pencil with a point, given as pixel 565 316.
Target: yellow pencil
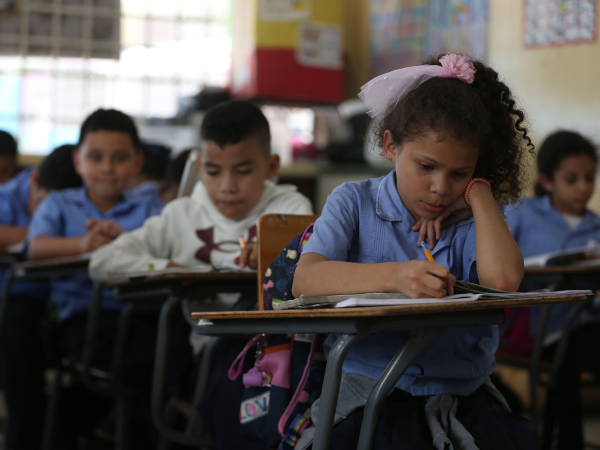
pixel 242 242
pixel 425 248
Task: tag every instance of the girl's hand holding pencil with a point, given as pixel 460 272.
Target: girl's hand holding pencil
pixel 424 279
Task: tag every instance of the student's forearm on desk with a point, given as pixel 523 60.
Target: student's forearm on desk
pixel 499 259
pixel 337 277
pixel 10 235
pixel 42 247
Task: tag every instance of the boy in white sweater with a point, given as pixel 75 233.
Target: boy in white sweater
pixel 236 168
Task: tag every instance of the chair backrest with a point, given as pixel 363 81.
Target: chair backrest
pixel 190 176
pixel 274 232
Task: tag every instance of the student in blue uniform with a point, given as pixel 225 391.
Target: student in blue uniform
pixel 22 359
pixel 150 179
pixel 557 218
pixel 457 141
pixel 77 221
pixel 9 166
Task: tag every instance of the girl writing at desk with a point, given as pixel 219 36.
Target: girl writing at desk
pixel 457 140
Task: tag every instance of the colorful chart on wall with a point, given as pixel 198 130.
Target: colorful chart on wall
pixel 404 32
pixel 398 34
pixel 559 22
pixel 458 26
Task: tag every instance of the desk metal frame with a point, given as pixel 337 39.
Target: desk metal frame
pixel 175 289
pixel 554 278
pixel 423 329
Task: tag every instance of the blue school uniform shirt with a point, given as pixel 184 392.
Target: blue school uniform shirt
pixel 64 214
pixel 145 189
pixel 366 222
pixel 538 227
pixel 14 211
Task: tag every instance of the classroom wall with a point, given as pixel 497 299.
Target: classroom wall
pixel 356 45
pixel 558 87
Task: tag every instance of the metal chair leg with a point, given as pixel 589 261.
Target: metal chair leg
pixel 52 412
pixel 331 389
pixel 415 342
pixel 121 416
pixel 195 425
pixel 536 356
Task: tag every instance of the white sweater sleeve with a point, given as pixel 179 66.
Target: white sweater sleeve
pixel 291 203
pixel 136 250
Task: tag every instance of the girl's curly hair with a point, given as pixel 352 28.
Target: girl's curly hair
pixel 482 114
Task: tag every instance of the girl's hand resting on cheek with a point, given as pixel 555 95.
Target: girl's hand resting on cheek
pixel 432 228
pixel 424 279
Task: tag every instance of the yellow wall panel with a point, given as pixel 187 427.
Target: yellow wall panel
pixel 279 34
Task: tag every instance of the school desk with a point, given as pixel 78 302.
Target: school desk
pixel 8 256
pixel 39 270
pixel 174 287
pixel 422 322
pixel 554 278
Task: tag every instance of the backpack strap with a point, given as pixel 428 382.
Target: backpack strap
pixel 235 372
pixel 288 411
pixel 304 233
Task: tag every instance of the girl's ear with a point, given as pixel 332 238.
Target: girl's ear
pixel 546 183
pixel 390 149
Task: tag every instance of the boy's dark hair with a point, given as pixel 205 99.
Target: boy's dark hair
pixel 8 145
pixel 109 120
pixel 175 168
pixel 156 159
pixel 233 121
pixel 57 170
pixel 482 114
pixel 556 148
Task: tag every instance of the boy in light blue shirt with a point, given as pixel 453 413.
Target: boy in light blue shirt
pixel 22 378
pixel 79 221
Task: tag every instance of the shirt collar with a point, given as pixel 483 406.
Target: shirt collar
pixel 128 202
pixel 589 219
pixel 389 204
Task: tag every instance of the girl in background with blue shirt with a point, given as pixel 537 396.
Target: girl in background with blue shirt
pixel 557 219
pixel 457 140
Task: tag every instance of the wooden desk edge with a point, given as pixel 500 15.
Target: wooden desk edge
pixel 180 277
pixel 429 308
pixel 51 263
pixel 560 270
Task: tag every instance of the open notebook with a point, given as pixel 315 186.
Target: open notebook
pixel 465 292
pixel 585 256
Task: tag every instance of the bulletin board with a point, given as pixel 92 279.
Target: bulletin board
pixel 458 26
pixel 405 32
pixel 398 34
pixel 550 23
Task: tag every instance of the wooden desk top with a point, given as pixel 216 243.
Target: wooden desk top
pixel 560 270
pixel 78 261
pixel 428 308
pixel 183 278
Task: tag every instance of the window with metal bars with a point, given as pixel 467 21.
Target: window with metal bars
pixel 62 59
